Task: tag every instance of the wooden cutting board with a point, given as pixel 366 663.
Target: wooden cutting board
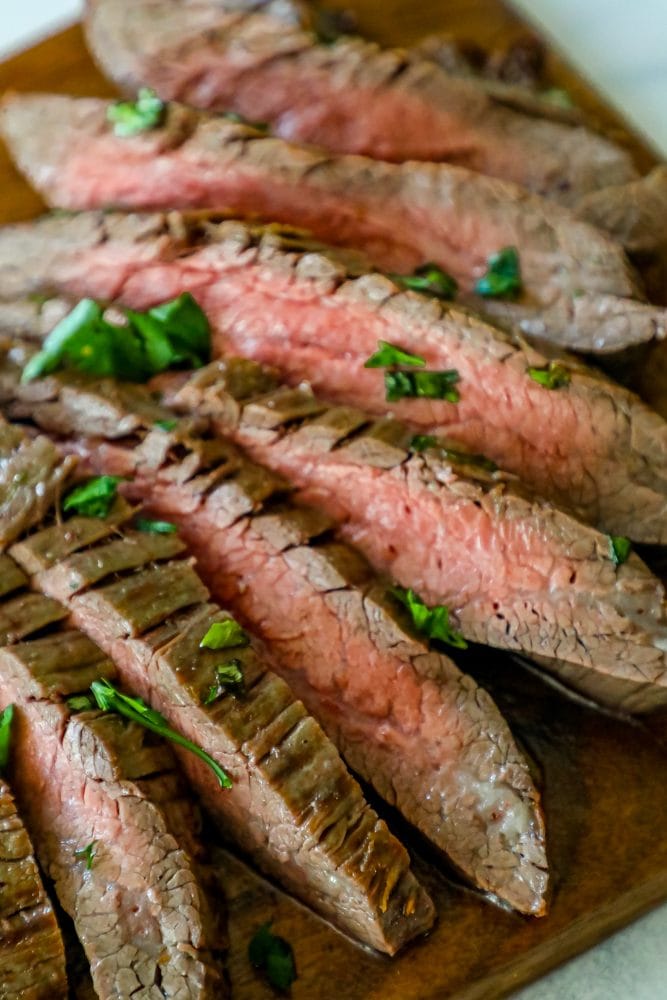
pixel 604 780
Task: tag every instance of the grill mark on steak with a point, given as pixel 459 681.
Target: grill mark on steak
pixel 471 792
pixel 401 216
pixel 590 445
pixel 32 956
pixel 349 97
pixel 89 777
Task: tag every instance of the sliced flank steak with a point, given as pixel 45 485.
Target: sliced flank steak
pixel 292 805
pixel 265 62
pixel 401 216
pixel 111 824
pixel 587 444
pixel 405 718
pixel 32 956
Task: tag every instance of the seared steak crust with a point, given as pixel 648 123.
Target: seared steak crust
pixel 264 61
pixel 590 445
pixel 32 957
pixel 405 718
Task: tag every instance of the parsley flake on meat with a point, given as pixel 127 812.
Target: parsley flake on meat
pixel 166 425
pixel 422 385
pixel 503 276
pixel 87 854
pixel 225 635
pixel 429 279
pixel 149 526
pixel 110 699
pixel 432 622
pixel 274 956
pixel 94 498
pixel 80 703
pixel 5 736
pixel 132 117
pixel 388 355
pixel 228 679
pixel 619 549
pixel 551 376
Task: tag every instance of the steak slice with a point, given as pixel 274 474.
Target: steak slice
pixel 590 445
pixel 264 61
pixel 635 213
pixel 405 718
pixel 399 215
pixel 32 956
pixel 89 779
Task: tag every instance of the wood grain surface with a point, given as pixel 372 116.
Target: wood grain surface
pixel 604 780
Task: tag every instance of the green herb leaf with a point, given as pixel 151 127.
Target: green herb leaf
pixel 5 736
pixel 619 549
pixel 132 117
pixel 558 97
pixel 234 116
pixel 388 355
pixel 429 279
pixel 274 956
pixel 175 333
pixel 503 276
pixel 94 498
pixel 228 677
pixel 87 854
pixel 109 699
pixel 551 376
pixel 432 622
pixel 225 635
pixel 166 425
pixel 80 703
pixel 421 442
pixel 155 527
pixel 427 385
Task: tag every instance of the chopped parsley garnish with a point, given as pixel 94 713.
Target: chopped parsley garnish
pixel 558 97
pixel 87 854
pixel 421 442
pixel 551 376
pixel 432 622
pixel 225 635
pixel 94 498
pixel 174 333
pixel 425 385
pixel 155 527
pixel 274 956
pixel 388 355
pixel 429 279
pixel 166 425
pixel 503 276
pixel 80 703
pixel 234 116
pixel 132 117
pixel 228 678
pixel 5 736
pixel 619 549
pixel 109 699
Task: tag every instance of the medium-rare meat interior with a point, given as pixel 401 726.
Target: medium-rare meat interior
pixel 567 431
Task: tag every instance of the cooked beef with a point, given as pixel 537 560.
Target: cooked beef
pixel 293 807
pixel 32 957
pixel 589 445
pixel 91 778
pixel 635 213
pixel 405 718
pixel 264 62
pixel 400 215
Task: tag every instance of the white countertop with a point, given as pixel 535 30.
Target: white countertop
pixel 621 46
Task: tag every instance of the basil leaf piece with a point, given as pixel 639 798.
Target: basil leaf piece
pixel 228 678
pixel 80 703
pixel 6 718
pixel 225 635
pixel 429 279
pixel 234 116
pixel 109 699
pixel 388 355
pixel 145 524
pixel 432 622
pixel 166 425
pixel 87 854
pixel 421 442
pixel 619 549
pixel 132 117
pixel 93 498
pixel 551 376
pixel 274 956
pixel 426 385
pixel 85 314
pixel 503 276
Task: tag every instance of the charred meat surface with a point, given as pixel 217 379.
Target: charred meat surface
pixel 32 957
pixel 589 444
pixel 265 62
